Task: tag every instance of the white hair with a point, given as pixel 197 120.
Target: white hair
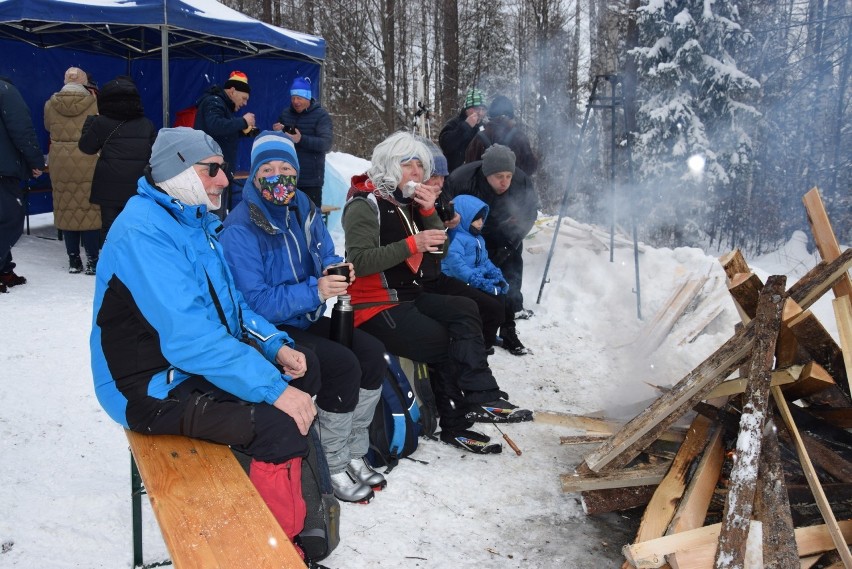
pixel 389 155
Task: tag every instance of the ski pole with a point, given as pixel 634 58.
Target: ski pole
pixel 509 441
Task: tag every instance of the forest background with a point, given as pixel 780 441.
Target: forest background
pixel 755 92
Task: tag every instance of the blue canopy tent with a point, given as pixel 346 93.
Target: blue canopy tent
pixel 173 49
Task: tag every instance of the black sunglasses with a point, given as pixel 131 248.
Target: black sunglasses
pixel 214 167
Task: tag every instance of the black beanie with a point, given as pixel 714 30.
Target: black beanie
pixel 501 106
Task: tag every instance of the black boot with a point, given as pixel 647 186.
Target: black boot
pixel 75 264
pixel 472 441
pixel 511 342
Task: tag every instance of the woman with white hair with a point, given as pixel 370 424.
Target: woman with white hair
pixel 390 224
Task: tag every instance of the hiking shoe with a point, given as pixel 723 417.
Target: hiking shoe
pixel 359 468
pixel 10 279
pixel 349 489
pixel 75 264
pixel 472 441
pixel 524 314
pixel 91 265
pixel 497 411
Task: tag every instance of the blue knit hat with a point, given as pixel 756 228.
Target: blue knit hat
pixel 271 145
pixel 439 167
pixel 301 87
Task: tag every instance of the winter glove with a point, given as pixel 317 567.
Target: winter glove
pixel 478 280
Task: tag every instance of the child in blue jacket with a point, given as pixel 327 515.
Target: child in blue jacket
pixel 467 260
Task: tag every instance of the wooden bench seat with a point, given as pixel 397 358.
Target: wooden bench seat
pixel 208 511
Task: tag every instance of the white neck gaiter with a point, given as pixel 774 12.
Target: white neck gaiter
pixel 188 188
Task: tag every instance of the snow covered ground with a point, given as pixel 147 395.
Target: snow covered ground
pixel 65 468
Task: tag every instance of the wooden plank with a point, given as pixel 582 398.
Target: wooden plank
pixel 743 480
pixel 695 549
pixel 209 512
pixel 638 476
pixel 818 280
pixel 824 237
pixel 813 482
pixel 843 314
pixel 826 459
pixel 772 507
pixel 692 509
pixel 745 288
pixel 595 426
pixel 782 377
pixel 733 263
pixel 812 379
pixel 646 427
pixel 654 334
pixel 820 346
pixel 615 499
pixel 838 417
pixel 661 509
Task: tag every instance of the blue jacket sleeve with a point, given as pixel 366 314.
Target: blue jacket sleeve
pixel 457 263
pixel 178 308
pixel 268 295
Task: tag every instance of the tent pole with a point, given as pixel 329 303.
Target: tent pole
pixel 164 60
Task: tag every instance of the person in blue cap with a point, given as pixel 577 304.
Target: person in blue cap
pixel 279 250
pixel 309 126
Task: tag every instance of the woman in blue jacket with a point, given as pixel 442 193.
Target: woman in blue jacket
pixel 467 261
pixel 279 251
pixel 175 348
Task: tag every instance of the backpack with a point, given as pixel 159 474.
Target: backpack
pixel 186 117
pixel 321 534
pixel 395 426
pixel 418 374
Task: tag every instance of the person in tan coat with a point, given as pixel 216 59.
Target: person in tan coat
pixel 71 171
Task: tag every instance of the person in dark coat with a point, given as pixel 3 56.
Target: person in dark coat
pixel 20 159
pixel 460 130
pixel 122 137
pixel 502 129
pixel 513 205
pixel 310 128
pixel 217 117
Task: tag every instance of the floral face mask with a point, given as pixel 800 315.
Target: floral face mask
pixel 278 190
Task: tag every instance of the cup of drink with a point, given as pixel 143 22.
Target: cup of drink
pixel 446 210
pixel 341 269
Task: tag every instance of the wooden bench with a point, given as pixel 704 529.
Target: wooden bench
pixel 208 511
pixel 326 210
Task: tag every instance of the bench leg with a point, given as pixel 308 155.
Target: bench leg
pixel 136 491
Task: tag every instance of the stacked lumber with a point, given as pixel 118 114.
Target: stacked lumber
pixel 763 475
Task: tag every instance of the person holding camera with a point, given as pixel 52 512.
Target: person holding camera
pixel 216 116
pixel 513 203
pixel 309 126
pixel 283 261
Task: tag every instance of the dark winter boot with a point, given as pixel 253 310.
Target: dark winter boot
pixel 511 342
pixel 472 441
pixel 10 279
pixel 3 288
pixel 91 265
pixel 75 264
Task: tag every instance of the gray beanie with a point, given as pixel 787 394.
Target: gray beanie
pixel 498 158
pixel 177 149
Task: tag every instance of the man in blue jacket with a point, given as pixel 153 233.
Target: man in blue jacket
pixel 20 158
pixel 216 115
pixel 279 251
pixel 176 349
pixel 309 127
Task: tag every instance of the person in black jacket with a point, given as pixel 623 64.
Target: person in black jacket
pixel 502 129
pixel 460 130
pixel 216 116
pixel 122 137
pixel 513 204
pixel 20 158
pixel 309 127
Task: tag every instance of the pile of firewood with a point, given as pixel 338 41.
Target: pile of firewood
pixel 763 472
